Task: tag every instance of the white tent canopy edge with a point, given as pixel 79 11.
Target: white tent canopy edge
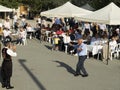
pixel 110 15
pixel 66 10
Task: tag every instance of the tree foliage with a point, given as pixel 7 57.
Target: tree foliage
pixel 101 3
pixel 42 5
pixel 9 3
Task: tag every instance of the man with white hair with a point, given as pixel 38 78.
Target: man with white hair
pixel 82 55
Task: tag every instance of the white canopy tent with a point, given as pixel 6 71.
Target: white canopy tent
pixel 66 10
pixel 5 9
pixel 110 15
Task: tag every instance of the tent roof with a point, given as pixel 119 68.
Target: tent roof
pixel 5 9
pixel 88 7
pixel 66 10
pixel 110 14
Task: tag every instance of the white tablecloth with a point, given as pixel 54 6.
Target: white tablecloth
pixel 94 48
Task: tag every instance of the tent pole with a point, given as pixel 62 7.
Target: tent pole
pixel 107 52
pixel 109 30
pixel 5 15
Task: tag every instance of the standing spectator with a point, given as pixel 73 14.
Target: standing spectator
pixel 7 52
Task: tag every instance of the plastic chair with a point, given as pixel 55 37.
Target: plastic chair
pixel 113 53
pixel 99 53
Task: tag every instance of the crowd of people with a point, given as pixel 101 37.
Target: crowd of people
pixel 62 32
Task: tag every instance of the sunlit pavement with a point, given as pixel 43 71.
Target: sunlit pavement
pixel 38 68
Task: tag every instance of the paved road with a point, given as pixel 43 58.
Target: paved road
pixel 38 68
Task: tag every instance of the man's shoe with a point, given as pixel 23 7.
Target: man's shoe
pixel 85 75
pixel 9 87
pixel 77 74
pixel 3 86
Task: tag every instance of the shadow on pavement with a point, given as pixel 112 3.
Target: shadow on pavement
pixel 67 67
pixel 38 83
pixel 48 47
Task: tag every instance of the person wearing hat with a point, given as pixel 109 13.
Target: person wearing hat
pixel 8 52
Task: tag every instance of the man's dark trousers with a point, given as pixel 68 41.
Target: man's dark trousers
pixel 80 65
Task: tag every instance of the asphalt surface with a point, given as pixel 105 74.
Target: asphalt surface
pixel 38 68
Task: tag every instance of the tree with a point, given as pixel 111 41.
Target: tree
pixel 9 3
pixel 102 3
pixel 79 2
pixel 36 6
